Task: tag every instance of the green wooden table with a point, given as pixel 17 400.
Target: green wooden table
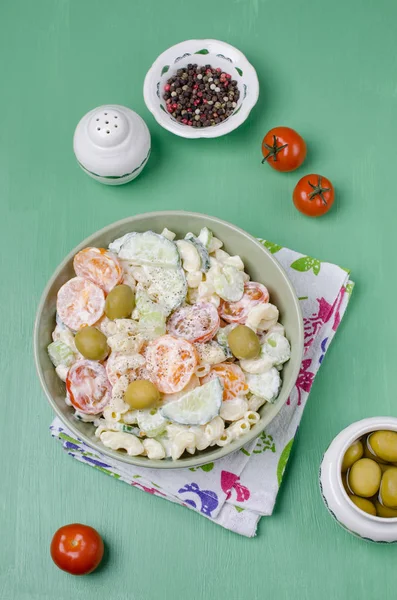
pixel 329 70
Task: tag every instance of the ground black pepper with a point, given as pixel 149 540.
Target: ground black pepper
pixel 201 96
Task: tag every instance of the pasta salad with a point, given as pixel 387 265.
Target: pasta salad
pixel 165 345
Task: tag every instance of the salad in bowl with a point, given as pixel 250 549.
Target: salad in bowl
pixel 165 345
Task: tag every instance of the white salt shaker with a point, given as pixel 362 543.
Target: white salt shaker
pixel 112 144
pixel 346 513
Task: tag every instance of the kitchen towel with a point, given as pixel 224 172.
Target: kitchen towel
pixel 238 490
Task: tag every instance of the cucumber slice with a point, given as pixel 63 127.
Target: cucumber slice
pixel 229 283
pixel 197 407
pixel 144 305
pixel 202 250
pixel 265 385
pixel 149 248
pixel 115 246
pixel 167 287
pixel 221 338
pixel 61 354
pixel 151 422
pixel 152 316
pixel 152 325
pixel 205 236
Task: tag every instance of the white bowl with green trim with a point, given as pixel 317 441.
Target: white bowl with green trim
pixel 201 52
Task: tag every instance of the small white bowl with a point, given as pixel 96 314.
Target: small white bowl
pixel 347 514
pixel 201 52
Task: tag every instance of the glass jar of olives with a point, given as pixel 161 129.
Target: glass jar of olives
pixel 358 479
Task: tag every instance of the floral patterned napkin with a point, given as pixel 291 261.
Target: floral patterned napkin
pixel 237 491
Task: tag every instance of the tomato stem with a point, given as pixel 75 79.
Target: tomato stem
pixel 273 150
pixel 318 190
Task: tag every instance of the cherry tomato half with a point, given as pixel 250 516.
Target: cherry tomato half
pixel 283 149
pixel 77 549
pixel 313 195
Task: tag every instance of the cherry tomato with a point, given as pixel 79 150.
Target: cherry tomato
pixel 197 323
pixel 283 149
pixel 170 362
pixel 88 387
pixel 80 302
pixel 237 312
pixel 77 549
pixel 313 195
pixel 99 266
pixel 232 377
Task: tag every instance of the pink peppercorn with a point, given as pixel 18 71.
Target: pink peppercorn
pixel 200 94
pixel 218 70
pixel 205 100
pixel 190 122
pixel 228 76
pixel 226 83
pixel 167 87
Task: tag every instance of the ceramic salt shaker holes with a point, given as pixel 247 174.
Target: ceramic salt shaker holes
pixel 112 144
pixel 348 514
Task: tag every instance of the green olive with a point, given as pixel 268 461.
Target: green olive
pixel 91 343
pixel 385 511
pixel 364 504
pixel 388 488
pixel 141 394
pixel 352 454
pixel 364 477
pixel 384 445
pixel 369 454
pixel 120 302
pixel 244 342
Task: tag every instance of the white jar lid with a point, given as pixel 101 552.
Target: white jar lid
pixel 112 144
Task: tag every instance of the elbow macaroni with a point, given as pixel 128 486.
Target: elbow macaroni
pixel 194 279
pixel 262 317
pixel 118 440
pixel 153 449
pixel 234 409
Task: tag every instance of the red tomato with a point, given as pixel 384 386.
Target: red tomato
pixel 196 323
pixel 77 549
pixel 170 362
pixel 237 312
pixel 313 195
pixel 283 149
pixel 88 387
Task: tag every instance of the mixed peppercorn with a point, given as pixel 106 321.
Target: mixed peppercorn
pixel 201 96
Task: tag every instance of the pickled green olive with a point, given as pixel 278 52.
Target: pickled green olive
pixel 364 477
pixel 364 504
pixel 352 454
pixel 388 488
pixel 91 343
pixel 244 343
pixel 369 454
pixel 141 394
pixel 384 445
pixel 120 302
pixel 384 511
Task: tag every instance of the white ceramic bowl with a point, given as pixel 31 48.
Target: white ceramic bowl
pixel 201 52
pixel 346 513
pixel 260 264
